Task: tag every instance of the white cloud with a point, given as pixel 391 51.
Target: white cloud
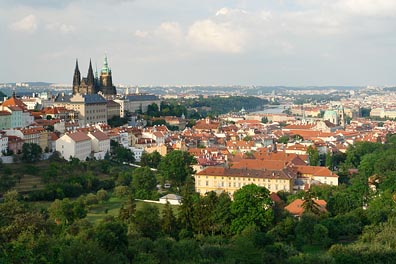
pixel 27 24
pixel 220 37
pixel 141 33
pixel 368 7
pixel 230 11
pixel 61 27
pixel 170 31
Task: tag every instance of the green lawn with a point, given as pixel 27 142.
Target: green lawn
pixel 112 207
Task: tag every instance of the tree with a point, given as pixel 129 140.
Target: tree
pixel 102 195
pixel 66 211
pixel 176 167
pixel 122 154
pixel 143 183
pixel 112 235
pixel 252 206
pixel 147 221
pixel 31 152
pixel 186 209
pixel 284 139
pixel 168 221
pixel 313 155
pixel 127 210
pixel 329 160
pixel 151 160
pixel 309 204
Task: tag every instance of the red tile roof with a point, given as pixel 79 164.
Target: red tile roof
pixel 78 136
pixel 296 207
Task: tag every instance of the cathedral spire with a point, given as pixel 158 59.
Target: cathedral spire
pixel 77 76
pixel 90 76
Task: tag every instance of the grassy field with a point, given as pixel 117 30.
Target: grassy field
pixel 112 207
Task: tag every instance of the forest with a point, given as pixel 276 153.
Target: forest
pixel 54 223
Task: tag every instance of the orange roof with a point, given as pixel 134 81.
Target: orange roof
pixel 256 164
pixel 99 135
pixel 14 102
pixel 315 171
pixel 231 172
pixel 78 136
pixel 296 207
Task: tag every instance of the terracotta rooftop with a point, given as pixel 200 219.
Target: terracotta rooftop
pixel 296 207
pixel 78 136
pixel 231 172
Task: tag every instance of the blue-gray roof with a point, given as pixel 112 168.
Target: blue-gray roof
pixel 63 98
pixel 94 99
pixel 88 98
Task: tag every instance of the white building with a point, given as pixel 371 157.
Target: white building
pixel 137 152
pixel 3 144
pixel 76 145
pixel 100 143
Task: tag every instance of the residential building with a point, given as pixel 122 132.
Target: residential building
pixel 74 145
pixel 100 143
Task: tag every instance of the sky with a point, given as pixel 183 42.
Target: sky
pixel 201 42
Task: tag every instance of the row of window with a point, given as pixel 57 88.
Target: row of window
pixel 239 185
pixel 248 179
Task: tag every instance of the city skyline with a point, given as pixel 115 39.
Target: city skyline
pixel 279 42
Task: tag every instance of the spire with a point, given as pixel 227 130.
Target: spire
pixel 96 71
pixel 90 76
pixel 105 68
pixel 77 76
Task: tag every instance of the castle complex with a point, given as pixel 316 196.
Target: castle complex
pixel 94 84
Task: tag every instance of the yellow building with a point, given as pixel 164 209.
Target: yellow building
pixel 229 180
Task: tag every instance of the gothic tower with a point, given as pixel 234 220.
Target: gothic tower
pixel 90 80
pixel 76 79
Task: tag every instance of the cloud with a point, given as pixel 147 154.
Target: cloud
pixel 27 24
pixel 170 31
pixel 368 7
pixel 60 27
pixel 208 35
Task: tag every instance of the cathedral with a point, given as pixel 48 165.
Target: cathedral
pixel 94 84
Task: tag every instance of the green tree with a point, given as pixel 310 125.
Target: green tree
pixel 313 155
pixel 176 167
pixel 112 235
pixel 143 183
pixel 329 160
pixel 121 154
pixel 128 210
pixel 147 221
pixel 309 204
pixel 168 221
pixel 151 160
pixel 66 211
pixel 31 152
pixel 252 206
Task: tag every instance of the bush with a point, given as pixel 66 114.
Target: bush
pixel 121 191
pixel 102 195
pixel 91 199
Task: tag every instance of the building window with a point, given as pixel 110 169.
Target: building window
pixel 207 183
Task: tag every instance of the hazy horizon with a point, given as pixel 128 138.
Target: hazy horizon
pixel 276 43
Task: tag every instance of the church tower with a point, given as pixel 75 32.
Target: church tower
pixel 106 80
pixel 90 80
pixel 76 79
